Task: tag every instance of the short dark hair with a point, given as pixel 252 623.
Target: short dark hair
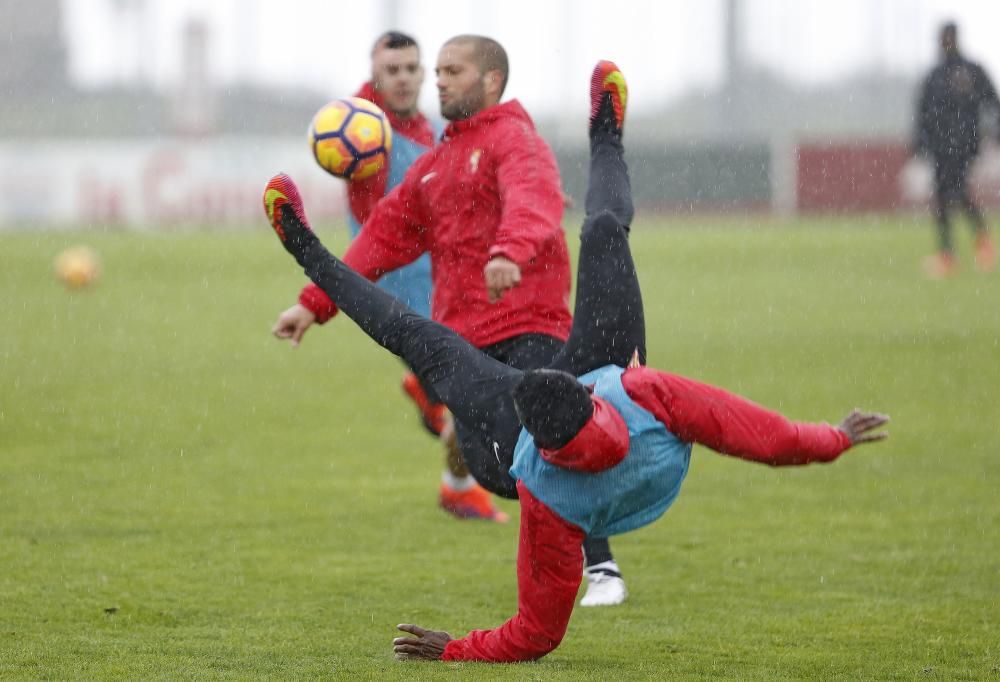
pixel 394 40
pixel 489 55
pixel 552 406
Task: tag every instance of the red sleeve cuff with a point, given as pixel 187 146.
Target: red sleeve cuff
pixel 600 444
pixel 316 300
pixel 454 651
pixel 519 256
pixel 824 442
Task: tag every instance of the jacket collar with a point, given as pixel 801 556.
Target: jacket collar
pixel 404 125
pixel 511 109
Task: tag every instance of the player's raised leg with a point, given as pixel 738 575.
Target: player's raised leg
pixel 608 321
pixel 467 381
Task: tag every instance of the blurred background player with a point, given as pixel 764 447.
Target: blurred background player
pixel 397 75
pixel 601 454
pixel 487 205
pixel 953 98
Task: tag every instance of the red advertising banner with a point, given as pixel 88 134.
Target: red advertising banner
pixel 861 176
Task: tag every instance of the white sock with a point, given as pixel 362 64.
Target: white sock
pixel 604 566
pixel 457 483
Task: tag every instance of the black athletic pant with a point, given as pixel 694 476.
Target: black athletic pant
pixel 489 467
pixel 950 190
pixel 608 322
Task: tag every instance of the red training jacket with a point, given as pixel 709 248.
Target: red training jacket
pixel 491 188
pixel 549 561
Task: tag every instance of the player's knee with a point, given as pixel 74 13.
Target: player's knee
pixel 602 223
pixel 494 478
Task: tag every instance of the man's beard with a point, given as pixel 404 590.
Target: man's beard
pixel 470 104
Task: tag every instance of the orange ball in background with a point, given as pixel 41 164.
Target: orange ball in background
pixel 77 267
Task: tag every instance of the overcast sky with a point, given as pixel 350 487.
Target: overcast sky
pixel 665 47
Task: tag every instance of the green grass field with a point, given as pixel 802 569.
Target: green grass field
pixel 183 497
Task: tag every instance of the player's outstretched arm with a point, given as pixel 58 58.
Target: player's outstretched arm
pixel 730 424
pixel 549 569
pixel 293 323
pixel 425 645
pixel 860 426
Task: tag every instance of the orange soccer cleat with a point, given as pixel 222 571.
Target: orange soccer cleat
pixel 280 192
pixel 940 266
pixel 433 414
pixel 986 255
pixel 287 217
pixel 607 78
pixel 472 503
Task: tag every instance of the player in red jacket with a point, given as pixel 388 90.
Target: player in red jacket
pixel 397 75
pixel 487 205
pixel 603 454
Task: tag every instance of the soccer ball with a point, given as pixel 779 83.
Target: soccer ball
pixel 350 138
pixel 77 267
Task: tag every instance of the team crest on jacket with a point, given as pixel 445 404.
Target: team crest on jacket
pixel 474 160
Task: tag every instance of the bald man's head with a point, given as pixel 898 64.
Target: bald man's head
pixel 489 55
pixel 471 75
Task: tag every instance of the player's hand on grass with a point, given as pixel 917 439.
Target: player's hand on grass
pixel 860 426
pixel 501 274
pixel 293 323
pixel 426 645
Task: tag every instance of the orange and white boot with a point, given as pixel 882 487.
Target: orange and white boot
pixel 608 84
pixel 433 415
pixel 986 254
pixel 472 502
pixel 941 265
